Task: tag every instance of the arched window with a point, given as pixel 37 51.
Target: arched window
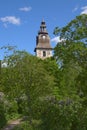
pixel 44 53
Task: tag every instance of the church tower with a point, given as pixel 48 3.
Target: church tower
pixel 43 48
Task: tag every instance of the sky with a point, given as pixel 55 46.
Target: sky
pixel 20 20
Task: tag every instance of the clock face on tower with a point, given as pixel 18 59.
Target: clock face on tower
pixel 43 36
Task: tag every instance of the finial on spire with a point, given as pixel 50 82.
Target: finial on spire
pixel 43 20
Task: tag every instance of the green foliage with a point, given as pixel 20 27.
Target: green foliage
pixel 71 83
pixel 2 112
pixel 64 115
pixel 2 115
pixel 25 81
pixel 75 30
pixel 26 126
pixel 11 110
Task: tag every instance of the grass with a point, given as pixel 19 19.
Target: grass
pixel 12 117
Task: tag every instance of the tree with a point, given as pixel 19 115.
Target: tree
pixel 26 82
pixel 71 55
pixel 73 51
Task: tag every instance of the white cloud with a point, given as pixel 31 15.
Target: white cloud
pixel 75 9
pixel 84 10
pixel 56 39
pixel 11 20
pixel 25 9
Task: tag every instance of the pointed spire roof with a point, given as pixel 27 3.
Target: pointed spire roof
pixel 43 28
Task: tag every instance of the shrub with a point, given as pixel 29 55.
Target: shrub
pixel 2 115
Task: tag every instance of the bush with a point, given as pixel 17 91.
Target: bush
pixel 2 115
pixel 64 116
pixel 26 126
pixel 2 110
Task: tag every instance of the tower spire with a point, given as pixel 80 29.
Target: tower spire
pixel 43 27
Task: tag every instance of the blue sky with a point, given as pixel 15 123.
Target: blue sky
pixel 20 20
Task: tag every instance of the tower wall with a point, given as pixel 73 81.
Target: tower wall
pixel 40 53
